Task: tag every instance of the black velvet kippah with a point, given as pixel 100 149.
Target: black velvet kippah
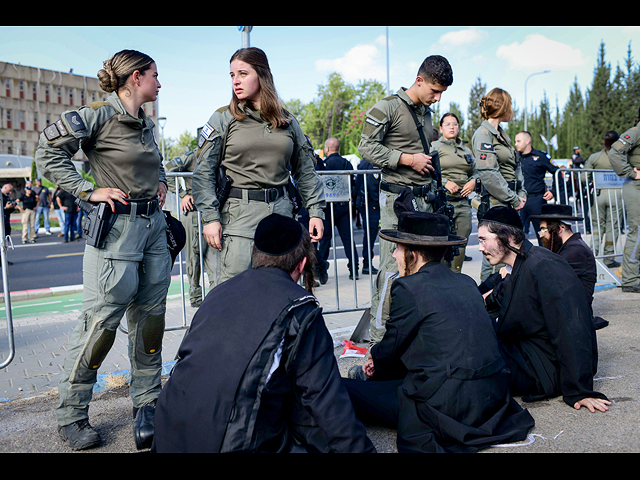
pixel 504 215
pixel 277 235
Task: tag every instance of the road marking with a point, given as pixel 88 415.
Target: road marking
pixel 64 255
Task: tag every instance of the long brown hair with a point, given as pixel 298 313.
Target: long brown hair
pixel 270 106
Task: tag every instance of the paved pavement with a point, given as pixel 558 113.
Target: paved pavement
pixel 28 385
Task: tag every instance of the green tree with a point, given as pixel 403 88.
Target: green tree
pixel 478 90
pixel 599 109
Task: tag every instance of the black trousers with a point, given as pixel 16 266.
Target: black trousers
pixel 375 401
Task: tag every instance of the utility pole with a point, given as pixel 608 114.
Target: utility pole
pixel 245 36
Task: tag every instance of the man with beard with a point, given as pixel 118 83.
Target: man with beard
pixel 543 323
pixel 556 235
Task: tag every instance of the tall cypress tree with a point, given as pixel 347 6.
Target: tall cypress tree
pixel 478 90
pixel 599 109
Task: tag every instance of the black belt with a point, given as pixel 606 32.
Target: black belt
pixel 515 185
pixel 143 207
pixel 422 191
pixel 267 195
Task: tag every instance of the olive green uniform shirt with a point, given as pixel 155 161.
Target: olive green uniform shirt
pixel 624 154
pixel 256 156
pixel 497 164
pixel 122 150
pixel 389 131
pixel 456 163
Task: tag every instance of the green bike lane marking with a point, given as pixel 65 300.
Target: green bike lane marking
pixel 67 303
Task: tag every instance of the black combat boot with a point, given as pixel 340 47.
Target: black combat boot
pixel 79 435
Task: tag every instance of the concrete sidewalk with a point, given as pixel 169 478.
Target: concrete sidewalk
pixel 28 386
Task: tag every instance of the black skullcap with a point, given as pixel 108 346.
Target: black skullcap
pixel 277 235
pixel 504 215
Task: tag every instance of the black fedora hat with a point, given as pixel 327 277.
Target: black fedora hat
pixel 552 211
pixel 423 229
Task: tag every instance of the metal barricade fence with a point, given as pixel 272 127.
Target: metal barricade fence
pixel 337 189
pixel 596 195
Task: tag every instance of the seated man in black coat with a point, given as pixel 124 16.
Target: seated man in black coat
pixel 437 375
pixel 544 323
pixel 556 235
pixel 256 371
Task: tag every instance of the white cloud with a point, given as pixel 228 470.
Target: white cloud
pixel 537 52
pixel 362 62
pixel 462 38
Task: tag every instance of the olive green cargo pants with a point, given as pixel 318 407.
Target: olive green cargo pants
pixel 239 219
pixel 631 255
pixel 192 257
pixel 130 274
pixel 381 298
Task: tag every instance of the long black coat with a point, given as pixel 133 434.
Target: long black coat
pixel 257 373
pixel 545 328
pixel 455 395
pixel 580 257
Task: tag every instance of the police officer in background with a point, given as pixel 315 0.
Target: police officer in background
pixel 370 231
pixel 576 160
pixel 625 161
pixel 391 140
pixel 253 142
pixel 189 219
pixel 535 165
pixel 333 161
pixel 131 271
pixel 499 168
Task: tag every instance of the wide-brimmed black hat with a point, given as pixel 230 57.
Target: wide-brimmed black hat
pixel 423 229
pixel 553 211
pixel 503 215
pixel 277 234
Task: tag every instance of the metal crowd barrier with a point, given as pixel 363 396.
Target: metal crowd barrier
pixel 337 189
pixel 581 188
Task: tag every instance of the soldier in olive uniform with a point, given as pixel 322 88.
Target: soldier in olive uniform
pixel 189 219
pixel 254 142
pixel 625 161
pixel 499 170
pixel 607 199
pixel 391 140
pixel 131 272
pixel 459 175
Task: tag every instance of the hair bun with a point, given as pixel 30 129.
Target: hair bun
pixel 108 79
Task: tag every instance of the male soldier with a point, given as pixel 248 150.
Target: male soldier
pixel 189 218
pixel 607 220
pixel 394 141
pixel 535 165
pixel 625 161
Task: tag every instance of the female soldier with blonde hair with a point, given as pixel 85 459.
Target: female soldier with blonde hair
pixel 498 167
pixel 256 144
pixel 128 270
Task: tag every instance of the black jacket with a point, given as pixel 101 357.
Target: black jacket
pixel 224 395
pixel 455 394
pixel 580 257
pixel 545 327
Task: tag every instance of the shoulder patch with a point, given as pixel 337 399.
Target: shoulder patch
pixel 97 105
pixel 74 121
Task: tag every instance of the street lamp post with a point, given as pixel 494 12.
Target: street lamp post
pixel 161 122
pixel 525 95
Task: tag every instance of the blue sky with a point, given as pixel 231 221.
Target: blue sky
pixel 193 62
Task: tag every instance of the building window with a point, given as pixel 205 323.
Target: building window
pixel 21 89
pixel 22 116
pixel 35 92
pixel 46 93
pixel 35 121
pixel 59 94
pixel 7 87
pixel 71 96
pixel 9 119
